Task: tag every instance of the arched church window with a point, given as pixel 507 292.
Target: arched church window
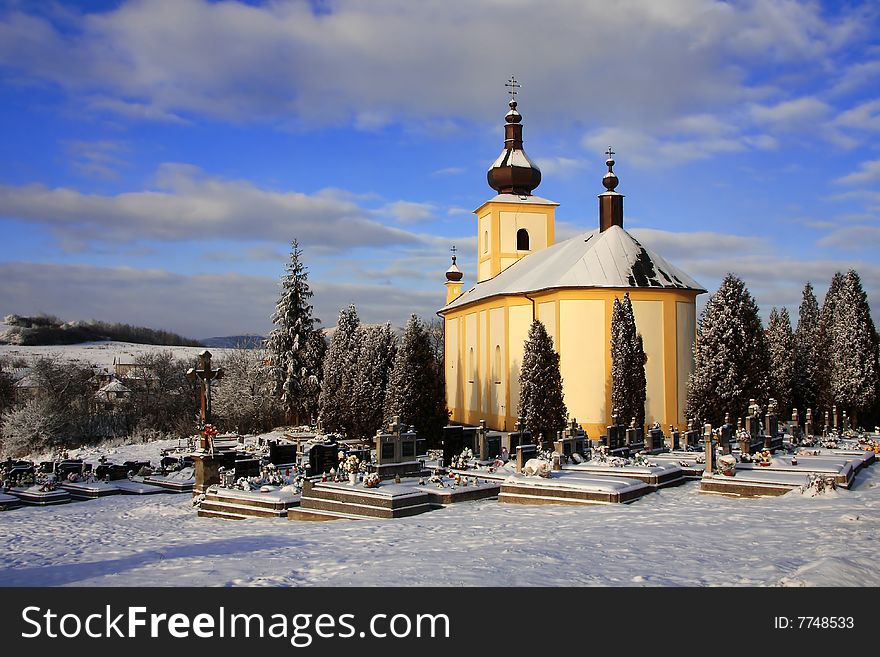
pixel 497 363
pixel 471 369
pixel 486 241
pixel 522 240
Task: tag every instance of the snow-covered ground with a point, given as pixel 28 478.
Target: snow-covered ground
pixel 101 354
pixel 676 537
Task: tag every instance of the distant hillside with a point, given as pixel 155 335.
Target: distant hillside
pixel 50 330
pixel 234 342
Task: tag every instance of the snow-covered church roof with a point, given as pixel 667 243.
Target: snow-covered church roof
pixel 611 258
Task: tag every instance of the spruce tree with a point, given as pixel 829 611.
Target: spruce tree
pixel 413 394
pixel 541 403
pixel 628 383
pixel 825 345
pixel 730 355
pixel 805 375
pixel 854 349
pixel 340 366
pixel 378 348
pixel 780 346
pixel 296 376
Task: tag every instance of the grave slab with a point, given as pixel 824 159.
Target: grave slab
pixel 234 504
pixel 571 488
pixel 33 496
pixel 9 502
pixel 132 487
pixel 753 483
pixel 330 500
pixel 657 476
pixel 90 490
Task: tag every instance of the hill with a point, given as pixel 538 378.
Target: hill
pixel 50 330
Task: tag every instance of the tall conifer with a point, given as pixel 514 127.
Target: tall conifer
pixel 541 402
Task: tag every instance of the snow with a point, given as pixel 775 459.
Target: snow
pixel 101 354
pixel 674 537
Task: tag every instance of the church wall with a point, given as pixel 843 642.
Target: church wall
pixel 535 223
pixel 497 366
pixel 472 380
pixel 453 364
pixel 582 362
pixel 649 322
pixel 518 323
pixel 547 315
pixel 686 333
pixel 483 368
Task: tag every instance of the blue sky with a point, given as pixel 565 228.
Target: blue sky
pixel 157 156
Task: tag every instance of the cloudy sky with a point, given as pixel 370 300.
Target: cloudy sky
pixel 157 156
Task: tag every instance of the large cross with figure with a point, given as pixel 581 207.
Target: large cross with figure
pixel 514 85
pixel 204 374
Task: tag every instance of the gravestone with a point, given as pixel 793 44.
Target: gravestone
pixel 655 439
pixel 247 467
pixel 523 454
pixel 521 436
pixel 488 443
pixel 710 448
pixel 396 451
pixel 836 424
pixel 675 438
pixel 452 442
pixel 282 453
pixel 469 437
pixel 808 424
pixel 725 437
pixel 323 458
pixel 691 437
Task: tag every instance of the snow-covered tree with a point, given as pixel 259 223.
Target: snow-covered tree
pixel 243 400
pixel 825 345
pixel 780 346
pixel 854 349
pixel 731 361
pixel 340 368
pixel 804 383
pixel 297 379
pixel 628 383
pixel 35 425
pixel 414 394
pixel 376 359
pixel 541 403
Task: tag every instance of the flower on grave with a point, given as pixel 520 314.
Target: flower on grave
pixel 349 464
pixel 371 480
pixel 462 461
pixel 210 431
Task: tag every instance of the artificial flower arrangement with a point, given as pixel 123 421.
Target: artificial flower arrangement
pixel 461 461
pixel 371 480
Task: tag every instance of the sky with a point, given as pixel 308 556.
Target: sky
pixel 158 156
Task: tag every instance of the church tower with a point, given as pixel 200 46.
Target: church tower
pixel 514 223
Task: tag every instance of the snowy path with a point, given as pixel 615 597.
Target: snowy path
pixel 674 537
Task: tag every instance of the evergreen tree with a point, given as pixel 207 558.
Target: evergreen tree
pixel 805 375
pixel 340 367
pixel 854 349
pixel 541 403
pixel 825 345
pixel 730 355
pixel 316 350
pixel 243 402
pixel 413 394
pixel 378 348
pixel 780 346
pixel 297 378
pixel 628 383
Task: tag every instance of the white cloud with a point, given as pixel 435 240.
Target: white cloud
pixel 791 115
pixel 371 63
pixel 197 306
pixel 408 212
pixel 189 204
pixel 99 159
pixel 865 116
pixel 868 172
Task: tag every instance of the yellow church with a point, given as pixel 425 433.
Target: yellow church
pixel 570 286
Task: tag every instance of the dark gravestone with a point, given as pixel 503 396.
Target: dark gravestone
pixel 691 439
pixel 523 454
pixel 452 443
pixel 490 445
pixel 676 439
pixel 247 467
pixel 386 454
pixel 470 440
pixel 282 453
pixel 421 446
pixel 726 438
pixel 655 439
pixel 616 436
pixel 518 438
pixel 407 447
pixel 323 458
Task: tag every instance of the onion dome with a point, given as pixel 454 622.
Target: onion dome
pixel 453 274
pixel 513 172
pixel 610 180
